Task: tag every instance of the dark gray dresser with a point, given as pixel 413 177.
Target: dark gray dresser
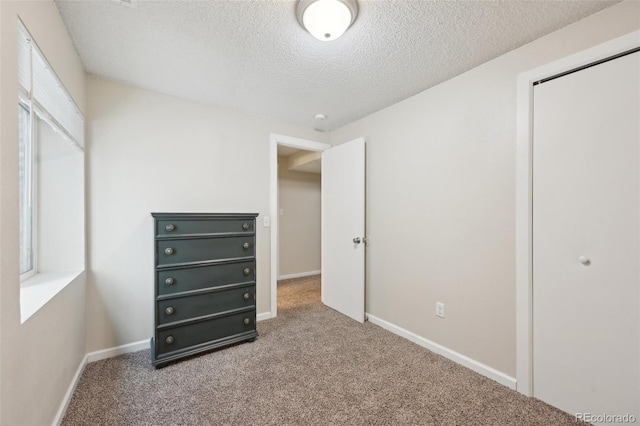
pixel 205 282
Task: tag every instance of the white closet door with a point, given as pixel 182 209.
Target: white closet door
pixel 586 239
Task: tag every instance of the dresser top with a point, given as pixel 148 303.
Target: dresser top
pixel 203 215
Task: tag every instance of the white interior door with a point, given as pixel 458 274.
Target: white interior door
pixel 586 239
pixel 343 228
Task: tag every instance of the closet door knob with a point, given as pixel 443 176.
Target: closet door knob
pixel 169 281
pixel 245 226
pixel 169 310
pixel 246 296
pixel 247 321
pixel 246 246
pixel 168 251
pixel 170 227
pixel 246 271
pixel 169 340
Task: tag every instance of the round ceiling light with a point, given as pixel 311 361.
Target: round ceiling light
pixel 326 20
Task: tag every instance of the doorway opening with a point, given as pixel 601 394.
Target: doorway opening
pixel 299 219
pixel 305 154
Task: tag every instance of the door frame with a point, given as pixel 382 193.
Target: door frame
pixel 524 193
pixel 274 141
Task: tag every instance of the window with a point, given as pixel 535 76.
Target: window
pixel 51 179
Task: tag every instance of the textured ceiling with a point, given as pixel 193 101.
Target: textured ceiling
pixel 254 56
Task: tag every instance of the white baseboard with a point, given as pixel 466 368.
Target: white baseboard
pixel 454 356
pixel 67 396
pixel 264 316
pixel 299 275
pixel 118 350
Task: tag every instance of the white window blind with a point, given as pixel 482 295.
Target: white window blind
pixel 24 64
pixel 48 96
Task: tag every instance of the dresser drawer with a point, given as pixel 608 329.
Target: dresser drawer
pixel 171 281
pixel 174 339
pixel 203 249
pixel 210 226
pixel 182 308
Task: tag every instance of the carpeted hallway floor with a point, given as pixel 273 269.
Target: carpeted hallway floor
pixel 310 366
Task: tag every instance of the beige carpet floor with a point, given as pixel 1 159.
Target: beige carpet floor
pixel 310 366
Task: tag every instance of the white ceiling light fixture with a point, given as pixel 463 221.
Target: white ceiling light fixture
pixel 326 20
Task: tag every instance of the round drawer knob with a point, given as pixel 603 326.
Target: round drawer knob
pixel 168 251
pixel 169 281
pixel 245 226
pixel 246 246
pixel 247 321
pixel 246 271
pixel 169 340
pixel 246 296
pixel 169 310
pixel 170 227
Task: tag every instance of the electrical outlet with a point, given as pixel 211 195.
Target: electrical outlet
pixel 440 309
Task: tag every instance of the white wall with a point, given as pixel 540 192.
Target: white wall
pixel 441 197
pixel 38 358
pixel 299 226
pixel 156 153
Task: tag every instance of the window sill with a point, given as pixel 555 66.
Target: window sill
pixel 36 291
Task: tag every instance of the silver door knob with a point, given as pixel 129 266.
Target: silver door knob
pixel 356 240
pixel 584 260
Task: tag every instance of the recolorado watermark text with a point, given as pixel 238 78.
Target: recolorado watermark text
pixel 606 418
